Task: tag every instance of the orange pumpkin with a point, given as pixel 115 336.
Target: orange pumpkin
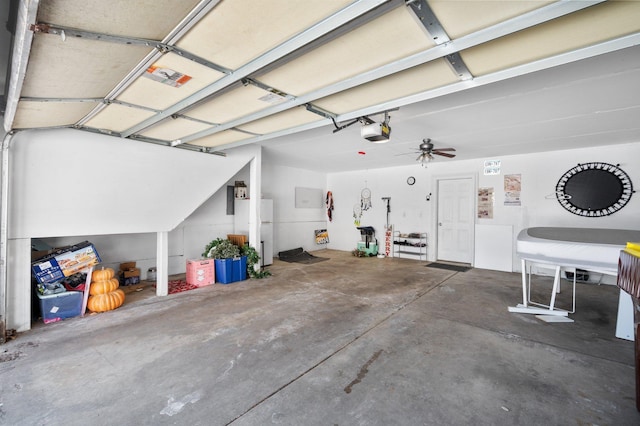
pixel 102 274
pixel 103 286
pixel 106 301
pixel 104 292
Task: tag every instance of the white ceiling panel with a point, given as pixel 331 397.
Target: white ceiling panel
pixel 414 80
pixel 586 27
pixel 174 128
pixel 117 118
pixel 97 67
pixel 222 138
pixel 388 38
pixel 462 17
pixel 235 103
pixel 538 111
pixel 284 120
pixel 155 94
pixel 235 32
pixel 84 61
pixel 50 114
pixel 150 19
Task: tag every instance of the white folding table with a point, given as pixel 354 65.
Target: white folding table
pixel 567 249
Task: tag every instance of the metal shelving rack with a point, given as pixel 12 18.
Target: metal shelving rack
pixel 412 246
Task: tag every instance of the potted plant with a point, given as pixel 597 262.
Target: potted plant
pixel 229 264
pixel 221 249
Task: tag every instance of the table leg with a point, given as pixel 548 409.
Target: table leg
pixel 556 284
pixel 636 328
pixel 524 282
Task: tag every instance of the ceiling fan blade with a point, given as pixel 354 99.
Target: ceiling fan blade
pixel 405 153
pixel 444 154
pixel 444 149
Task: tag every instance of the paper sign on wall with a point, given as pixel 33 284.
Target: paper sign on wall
pixel 492 167
pixel 512 188
pixel 485 203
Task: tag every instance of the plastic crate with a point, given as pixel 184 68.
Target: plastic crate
pixel 239 269
pixel 56 307
pixel 231 270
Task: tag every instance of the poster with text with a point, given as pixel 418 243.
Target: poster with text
pixel 512 188
pixel 485 203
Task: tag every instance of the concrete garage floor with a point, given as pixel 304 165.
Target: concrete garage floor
pixel 349 341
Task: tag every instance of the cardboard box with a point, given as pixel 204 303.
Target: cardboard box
pixel 201 272
pixel 129 274
pixel 56 307
pixel 65 262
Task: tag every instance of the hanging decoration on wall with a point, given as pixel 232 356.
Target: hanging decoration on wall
pixel 594 189
pixel 329 202
pixel 365 199
pixel 357 214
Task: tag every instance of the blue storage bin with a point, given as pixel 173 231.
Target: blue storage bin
pixel 231 270
pixel 239 272
pixel 223 269
pixel 56 307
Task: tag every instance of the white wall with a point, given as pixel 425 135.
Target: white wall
pixel 186 241
pixel 293 227
pixel 70 185
pixel 410 212
pixel 69 182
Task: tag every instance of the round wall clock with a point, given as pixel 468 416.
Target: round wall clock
pixel 594 189
pixel 411 180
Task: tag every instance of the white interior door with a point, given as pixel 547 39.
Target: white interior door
pixel 455 220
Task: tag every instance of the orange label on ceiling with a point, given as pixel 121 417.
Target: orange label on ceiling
pixel 166 76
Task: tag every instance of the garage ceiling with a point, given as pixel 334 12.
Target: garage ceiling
pixel 210 75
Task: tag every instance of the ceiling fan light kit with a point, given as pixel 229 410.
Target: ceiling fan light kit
pixel 426 150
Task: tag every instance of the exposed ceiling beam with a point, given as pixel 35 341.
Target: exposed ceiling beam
pixel 26 16
pixel 327 25
pixel 182 28
pixel 162 47
pixel 539 16
pixel 429 20
pixel 557 60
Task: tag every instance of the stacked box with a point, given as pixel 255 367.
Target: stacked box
pixel 65 262
pixel 129 274
pixel 56 307
pixel 201 272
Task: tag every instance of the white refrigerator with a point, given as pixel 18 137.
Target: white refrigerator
pixel 241 226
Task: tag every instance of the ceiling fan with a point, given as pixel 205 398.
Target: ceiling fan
pixel 427 150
